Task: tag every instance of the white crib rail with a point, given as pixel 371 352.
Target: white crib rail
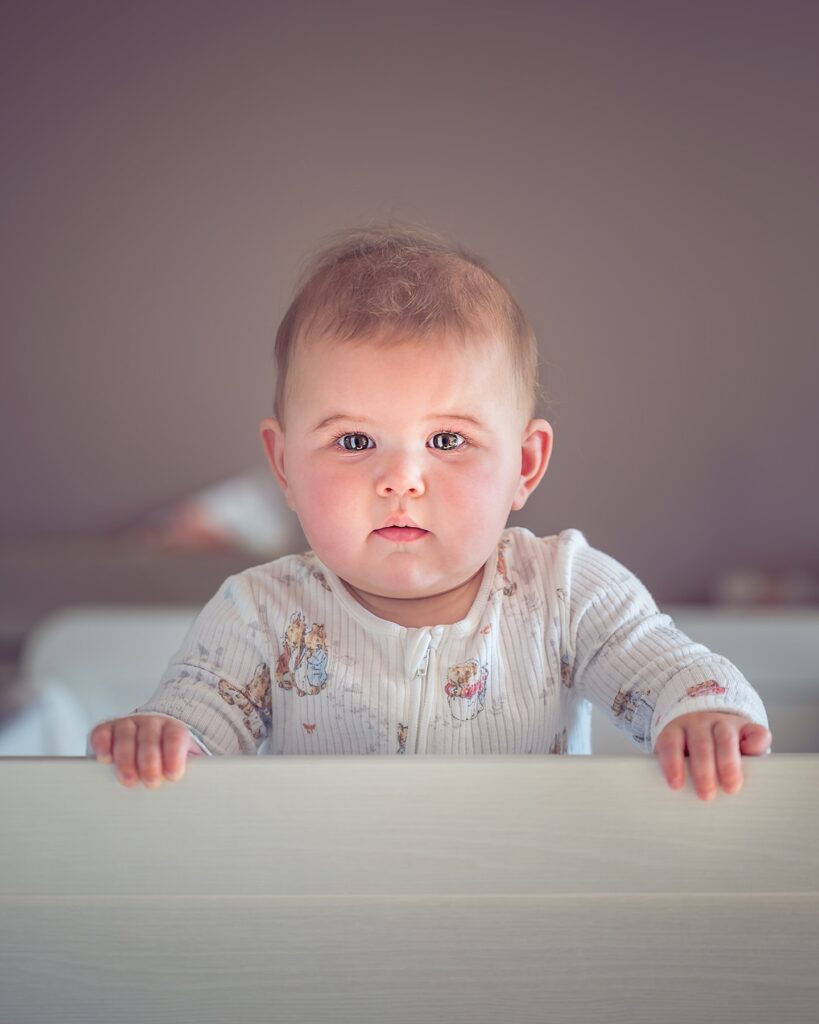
pixel 506 889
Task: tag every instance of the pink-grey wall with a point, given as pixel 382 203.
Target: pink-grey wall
pixel 643 174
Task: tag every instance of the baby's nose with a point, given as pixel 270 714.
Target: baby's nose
pixel 400 475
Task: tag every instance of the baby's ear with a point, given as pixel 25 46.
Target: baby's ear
pixel 272 435
pixel 536 450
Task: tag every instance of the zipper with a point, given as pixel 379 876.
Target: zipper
pixel 422 679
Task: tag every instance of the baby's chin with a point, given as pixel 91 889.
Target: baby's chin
pixel 369 591
pixel 434 605
pixel 404 580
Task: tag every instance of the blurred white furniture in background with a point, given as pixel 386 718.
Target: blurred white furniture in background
pixel 86 664
pixel 89 663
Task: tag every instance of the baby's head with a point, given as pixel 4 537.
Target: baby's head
pixel 407 382
pixel 384 284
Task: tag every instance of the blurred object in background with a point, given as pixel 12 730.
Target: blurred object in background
pixel 758 587
pixel 247 512
pixel 179 554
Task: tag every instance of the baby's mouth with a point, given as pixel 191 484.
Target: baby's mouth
pixel 402 534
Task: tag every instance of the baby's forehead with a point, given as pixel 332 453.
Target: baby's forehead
pixel 399 376
pixel 479 345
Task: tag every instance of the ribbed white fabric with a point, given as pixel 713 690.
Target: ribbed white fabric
pixel 283 660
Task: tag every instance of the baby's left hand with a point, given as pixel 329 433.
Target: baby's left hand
pixel 714 741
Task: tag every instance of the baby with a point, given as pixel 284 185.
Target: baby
pixel 404 434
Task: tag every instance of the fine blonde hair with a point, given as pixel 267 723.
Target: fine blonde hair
pixel 391 281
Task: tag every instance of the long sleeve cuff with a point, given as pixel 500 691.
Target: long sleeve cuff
pixel 713 686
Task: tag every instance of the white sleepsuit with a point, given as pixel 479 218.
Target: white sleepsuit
pixel 283 660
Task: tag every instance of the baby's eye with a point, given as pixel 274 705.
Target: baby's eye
pixel 353 442
pixel 446 440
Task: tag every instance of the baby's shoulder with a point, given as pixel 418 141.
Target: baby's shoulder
pixel 564 561
pixel 518 543
pixel 290 577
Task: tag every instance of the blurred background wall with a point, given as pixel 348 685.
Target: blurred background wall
pixel 642 174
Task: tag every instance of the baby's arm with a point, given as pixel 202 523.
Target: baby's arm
pixel 144 747
pixel 214 696
pixel 669 693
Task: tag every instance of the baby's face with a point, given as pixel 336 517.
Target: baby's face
pixel 424 434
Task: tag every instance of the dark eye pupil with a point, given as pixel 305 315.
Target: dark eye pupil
pixel 354 442
pixel 450 443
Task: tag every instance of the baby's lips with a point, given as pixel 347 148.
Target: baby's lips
pixel 399 520
pixel 402 533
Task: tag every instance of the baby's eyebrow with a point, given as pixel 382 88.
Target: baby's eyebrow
pixel 339 416
pixel 456 416
pixel 440 416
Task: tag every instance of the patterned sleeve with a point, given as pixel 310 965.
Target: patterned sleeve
pixel 631 661
pixel 218 682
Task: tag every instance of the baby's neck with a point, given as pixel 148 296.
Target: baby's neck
pixel 414 612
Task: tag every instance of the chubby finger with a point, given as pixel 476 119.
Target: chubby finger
pixel 702 761
pixel 176 742
pixel 726 744
pixel 755 740
pixel 123 750
pixel 669 750
pixel 100 740
pixel 149 751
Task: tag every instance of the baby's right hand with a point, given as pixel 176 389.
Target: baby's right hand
pixel 145 747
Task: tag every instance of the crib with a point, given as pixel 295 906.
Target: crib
pixel 470 889
pixel 361 890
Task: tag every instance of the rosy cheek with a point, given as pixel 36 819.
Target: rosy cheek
pixel 489 493
pixel 316 489
pixel 310 483
pixel 481 478
pixel 325 502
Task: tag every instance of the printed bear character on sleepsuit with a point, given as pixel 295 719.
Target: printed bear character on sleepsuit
pixel 636 708
pixel 253 700
pixel 314 668
pixel 465 689
pixel 509 587
pixel 560 743
pixel 292 651
pixel 302 664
